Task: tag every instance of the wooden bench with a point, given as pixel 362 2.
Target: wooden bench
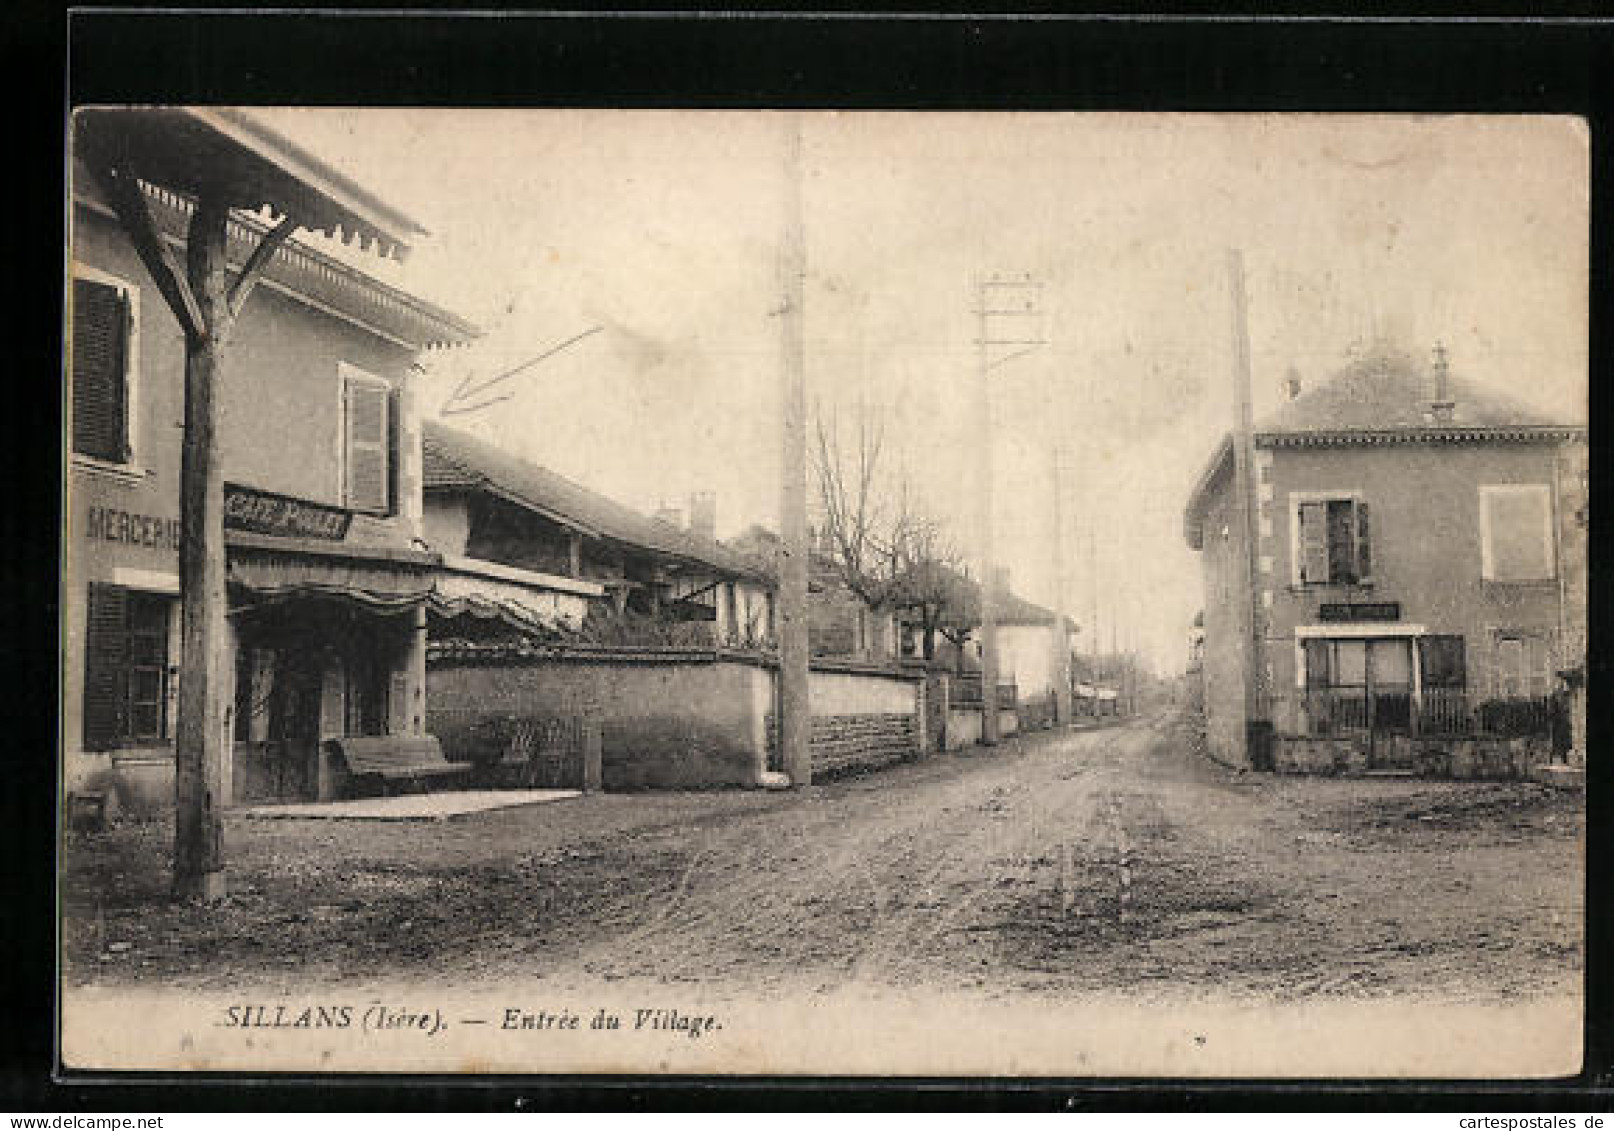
pixel 389 759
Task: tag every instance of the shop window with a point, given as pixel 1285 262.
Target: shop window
pixel 126 678
pixel 1332 544
pixel 1442 662
pixel 369 443
pixel 1516 532
pixel 102 358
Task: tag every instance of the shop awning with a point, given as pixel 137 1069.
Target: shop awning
pixel 458 594
pixel 382 579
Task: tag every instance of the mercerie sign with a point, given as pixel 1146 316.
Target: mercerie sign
pixel 262 512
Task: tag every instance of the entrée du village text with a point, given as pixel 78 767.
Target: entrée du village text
pixel 384 1018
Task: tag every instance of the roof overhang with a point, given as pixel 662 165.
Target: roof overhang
pixel 190 149
pixel 1194 515
pixel 383 579
pixel 1455 434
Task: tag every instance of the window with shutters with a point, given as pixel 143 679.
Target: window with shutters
pixel 127 668
pixel 1516 542
pixel 1332 544
pixel 368 444
pixel 103 355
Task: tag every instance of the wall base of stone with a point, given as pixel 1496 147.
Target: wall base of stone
pixel 137 786
pixel 1455 758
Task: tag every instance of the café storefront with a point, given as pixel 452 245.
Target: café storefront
pixel 326 639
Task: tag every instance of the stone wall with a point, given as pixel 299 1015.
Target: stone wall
pixel 1477 758
pixel 850 743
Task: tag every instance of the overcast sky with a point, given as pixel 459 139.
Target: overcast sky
pixel 662 229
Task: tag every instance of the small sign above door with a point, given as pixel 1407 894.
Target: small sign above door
pixel 263 512
pixel 1374 611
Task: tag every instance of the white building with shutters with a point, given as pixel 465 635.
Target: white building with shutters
pixel 322 453
pixel 1415 569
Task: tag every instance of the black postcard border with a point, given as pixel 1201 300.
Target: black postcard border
pixel 1310 60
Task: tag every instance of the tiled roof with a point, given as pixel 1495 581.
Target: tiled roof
pixel 964 595
pixel 1392 390
pixel 455 460
pixel 1384 397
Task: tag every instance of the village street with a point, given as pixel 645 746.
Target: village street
pixel 1107 860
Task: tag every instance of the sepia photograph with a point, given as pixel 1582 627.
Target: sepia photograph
pixel 834 593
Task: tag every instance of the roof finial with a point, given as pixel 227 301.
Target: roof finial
pixel 1441 405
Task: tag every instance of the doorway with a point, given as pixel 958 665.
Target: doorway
pixel 277 725
pixel 1360 686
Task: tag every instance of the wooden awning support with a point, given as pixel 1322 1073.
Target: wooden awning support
pixel 223 161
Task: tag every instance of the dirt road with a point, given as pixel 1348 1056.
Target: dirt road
pixel 1105 860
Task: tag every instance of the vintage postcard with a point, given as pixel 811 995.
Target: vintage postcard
pixel 905 594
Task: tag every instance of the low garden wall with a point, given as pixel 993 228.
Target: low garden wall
pixel 672 718
pixel 1458 757
pixel 964 726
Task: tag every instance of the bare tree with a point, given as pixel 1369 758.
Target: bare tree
pixel 884 548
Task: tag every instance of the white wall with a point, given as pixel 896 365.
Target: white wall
pixel 844 693
pixel 447 524
pixel 1026 655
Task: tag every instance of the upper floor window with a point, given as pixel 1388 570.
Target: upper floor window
pixel 1516 541
pixel 103 356
pixel 1332 544
pixel 369 444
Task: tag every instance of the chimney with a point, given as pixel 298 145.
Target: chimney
pixel 1291 384
pixel 1441 405
pixel 703 515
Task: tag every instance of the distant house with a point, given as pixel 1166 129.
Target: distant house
pixel 1413 570
pixel 527 552
pixel 840 624
pixel 1030 637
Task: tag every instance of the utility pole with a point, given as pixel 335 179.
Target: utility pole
pixel 1243 442
pixel 999 302
pixel 1061 582
pixel 794 706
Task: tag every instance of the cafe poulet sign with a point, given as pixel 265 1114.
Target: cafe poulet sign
pixel 258 512
pixel 263 512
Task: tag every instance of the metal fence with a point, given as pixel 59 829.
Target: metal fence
pixel 1438 711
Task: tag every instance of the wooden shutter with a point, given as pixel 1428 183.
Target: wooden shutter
pixel 1519 534
pixel 365 404
pixel 1318 676
pixel 1364 546
pixel 1341 542
pixel 100 371
pixel 393 440
pixel 1442 661
pixel 1313 543
pixel 105 662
